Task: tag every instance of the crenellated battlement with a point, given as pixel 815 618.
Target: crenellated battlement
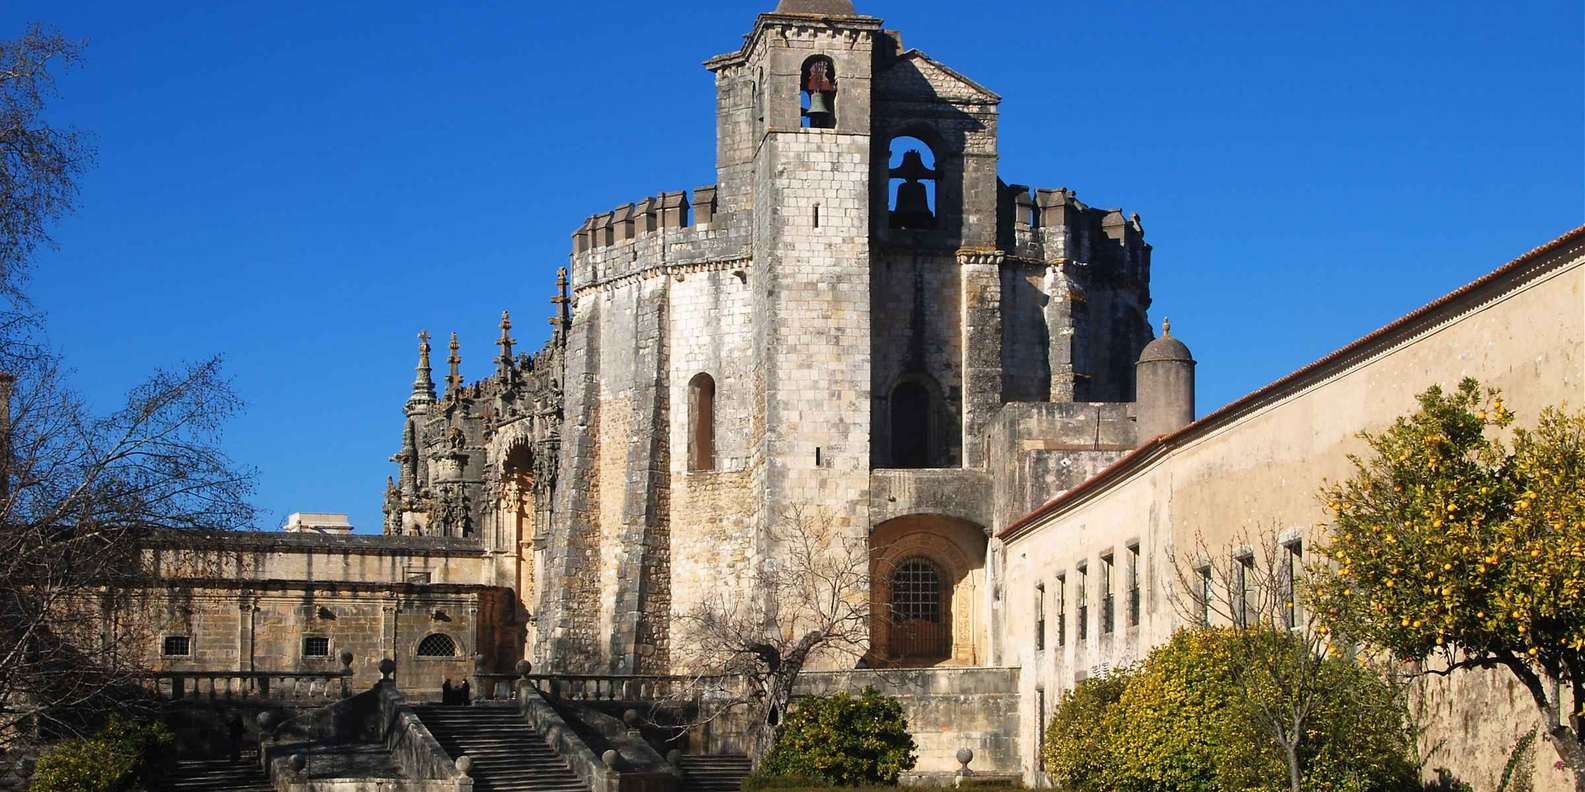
pixel 1054 226
pixel 670 229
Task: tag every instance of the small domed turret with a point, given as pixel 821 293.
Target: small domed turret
pixel 828 8
pixel 1164 387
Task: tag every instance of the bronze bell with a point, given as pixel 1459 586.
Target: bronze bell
pixel 819 113
pixel 913 207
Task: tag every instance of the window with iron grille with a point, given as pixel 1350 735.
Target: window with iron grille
pixel 916 591
pixel 1083 593
pixel 1133 585
pixel 177 646
pixel 1207 595
pixel 1062 611
pixel 1040 617
pixel 1108 600
pixel 1243 574
pixel 437 645
pixel 316 646
pixel 1290 576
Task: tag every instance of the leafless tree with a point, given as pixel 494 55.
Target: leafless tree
pixel 1280 649
pixel 80 492
pixel 80 495
pixel 808 598
pixel 39 163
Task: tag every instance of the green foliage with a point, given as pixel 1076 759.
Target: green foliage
pixel 1517 774
pixel 1077 743
pixel 125 756
pixel 1446 542
pixel 1181 723
pixel 843 740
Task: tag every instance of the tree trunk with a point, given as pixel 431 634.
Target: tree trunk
pixel 1292 751
pixel 1571 752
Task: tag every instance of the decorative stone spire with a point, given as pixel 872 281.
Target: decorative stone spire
pixel 1166 327
pixel 503 364
pixel 561 318
pixel 454 379
pixel 423 387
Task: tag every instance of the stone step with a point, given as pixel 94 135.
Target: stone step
pixel 508 755
pixel 212 775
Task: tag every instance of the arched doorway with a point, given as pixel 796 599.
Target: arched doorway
pixel 926 577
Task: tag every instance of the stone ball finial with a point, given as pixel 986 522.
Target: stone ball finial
pixel 387 668
pixel 266 721
pixel 965 755
pixel 609 758
pixel 630 718
pixel 524 668
pixel 825 8
pixel 346 659
pixel 674 757
pixel 299 763
pixel 465 765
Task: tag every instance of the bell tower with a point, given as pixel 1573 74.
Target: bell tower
pixel 809 66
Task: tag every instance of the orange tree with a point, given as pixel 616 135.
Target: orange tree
pixel 1455 549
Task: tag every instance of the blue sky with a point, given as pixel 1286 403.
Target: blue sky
pixel 302 186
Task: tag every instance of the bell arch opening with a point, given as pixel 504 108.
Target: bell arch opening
pixel 912 181
pixel 817 83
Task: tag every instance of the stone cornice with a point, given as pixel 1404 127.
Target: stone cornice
pixel 661 270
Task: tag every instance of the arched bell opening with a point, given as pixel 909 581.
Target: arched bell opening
pixel 916 423
pixel 926 572
pixel 817 83
pixel 912 181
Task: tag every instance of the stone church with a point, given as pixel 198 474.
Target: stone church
pixel 861 315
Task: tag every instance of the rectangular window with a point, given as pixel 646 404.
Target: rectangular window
pixel 1243 576
pixel 1292 565
pixel 1083 593
pixel 1207 595
pixel 1133 585
pixel 1040 731
pixel 316 646
pixel 1040 617
pixel 1062 610
pixel 1108 600
pixel 177 646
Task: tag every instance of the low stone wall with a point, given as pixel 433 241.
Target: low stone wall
pixel 415 750
pixel 947 709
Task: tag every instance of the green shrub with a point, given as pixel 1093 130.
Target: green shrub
pixel 1182 723
pixel 123 757
pixel 1078 741
pixel 843 740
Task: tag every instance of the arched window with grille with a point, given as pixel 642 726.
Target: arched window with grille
pixel 701 422
pixel 437 645
pixel 920 628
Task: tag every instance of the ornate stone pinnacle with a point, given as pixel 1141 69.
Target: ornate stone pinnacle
pixel 1166 327
pixel 505 360
pixel 454 379
pixel 423 386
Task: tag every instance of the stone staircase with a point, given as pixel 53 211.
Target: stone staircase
pixel 217 775
pixel 508 754
pixel 723 773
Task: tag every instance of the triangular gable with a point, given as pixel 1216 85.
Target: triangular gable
pixel 915 76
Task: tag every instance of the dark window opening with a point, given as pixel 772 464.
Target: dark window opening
pixel 912 183
pixel 1243 573
pixel 1062 611
pixel 1108 601
pixel 316 646
pixel 818 83
pixel 919 629
pixel 177 646
pixel 1133 585
pixel 910 412
pixel 437 645
pixel 701 423
pixel 1040 617
pixel 1083 593
pixel 1292 558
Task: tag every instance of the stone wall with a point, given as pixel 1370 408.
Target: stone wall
pixel 947 709
pixel 1255 467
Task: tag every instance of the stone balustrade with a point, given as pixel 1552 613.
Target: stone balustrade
pixel 231 685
